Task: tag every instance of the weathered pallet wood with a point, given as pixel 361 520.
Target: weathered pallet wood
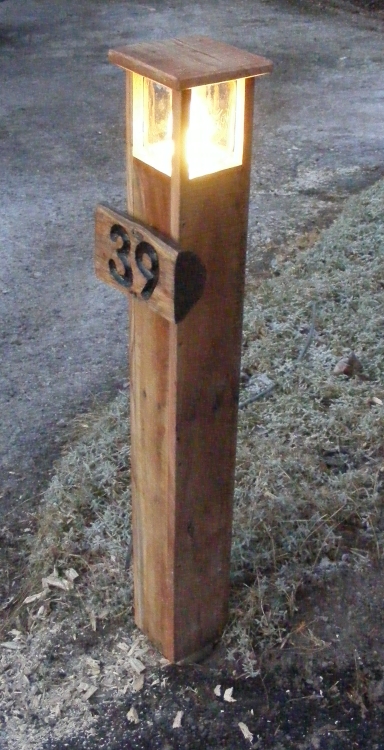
pixel 192 61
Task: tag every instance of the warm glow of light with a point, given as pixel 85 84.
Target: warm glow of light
pixel 216 124
pixel 152 123
pixel 214 139
pixel 159 153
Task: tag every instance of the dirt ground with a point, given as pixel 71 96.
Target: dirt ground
pixel 318 138
pixel 308 696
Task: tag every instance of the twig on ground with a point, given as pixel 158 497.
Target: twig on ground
pixel 308 342
pixel 257 396
pixel 267 391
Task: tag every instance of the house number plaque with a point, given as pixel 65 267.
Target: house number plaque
pixel 138 261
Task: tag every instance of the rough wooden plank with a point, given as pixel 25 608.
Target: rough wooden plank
pixel 152 368
pixel 184 394
pixel 152 424
pixel 193 61
pixel 136 261
pixel 213 218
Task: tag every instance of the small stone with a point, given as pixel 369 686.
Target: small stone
pixel 376 401
pixel 138 683
pixel 133 716
pixel 348 366
pixel 177 720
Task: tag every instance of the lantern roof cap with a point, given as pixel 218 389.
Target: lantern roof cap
pixel 191 61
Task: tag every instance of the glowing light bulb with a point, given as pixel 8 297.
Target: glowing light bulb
pixel 214 138
pixel 215 135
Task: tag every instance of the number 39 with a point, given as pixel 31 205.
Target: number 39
pixel 145 259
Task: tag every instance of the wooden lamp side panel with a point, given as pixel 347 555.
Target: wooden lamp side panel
pixel 213 216
pixel 152 377
pixel 152 432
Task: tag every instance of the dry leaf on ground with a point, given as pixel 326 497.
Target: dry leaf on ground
pixel 123 646
pixel 133 716
pixel 137 665
pixel 245 731
pixel 56 582
pixel 35 597
pixel 71 574
pixel 177 720
pixel 228 695
pixel 82 687
pixel 138 683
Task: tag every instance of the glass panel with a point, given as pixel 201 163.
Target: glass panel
pixel 214 138
pixel 152 123
pixel 216 126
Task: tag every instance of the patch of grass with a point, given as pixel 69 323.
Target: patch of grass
pixel 85 520
pixel 310 469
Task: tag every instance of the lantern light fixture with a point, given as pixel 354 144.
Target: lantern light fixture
pixel 214 135
pixel 211 136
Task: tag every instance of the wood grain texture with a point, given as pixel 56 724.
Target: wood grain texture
pixel 213 220
pixel 184 398
pixel 153 374
pixel 180 277
pixel 192 61
pixel 152 410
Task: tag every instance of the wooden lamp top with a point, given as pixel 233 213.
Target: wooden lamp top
pixel 192 61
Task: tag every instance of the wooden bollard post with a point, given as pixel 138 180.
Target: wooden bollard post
pixel 180 256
